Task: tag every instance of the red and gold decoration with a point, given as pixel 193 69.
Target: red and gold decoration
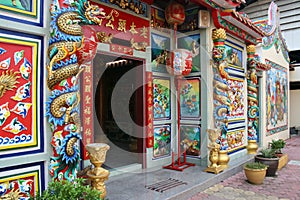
pixel 149 111
pixel 18 93
pixel 21 182
pixel 238 24
pixel 175 14
pixel 221 99
pixel 69 49
pixel 253 108
pixel 116 26
pixel 87 106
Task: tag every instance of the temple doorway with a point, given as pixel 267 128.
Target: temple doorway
pixel 118 102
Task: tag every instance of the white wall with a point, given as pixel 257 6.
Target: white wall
pixel 295 75
pixel 279 59
pixel 294 112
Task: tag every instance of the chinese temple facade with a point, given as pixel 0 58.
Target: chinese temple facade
pixel 146 77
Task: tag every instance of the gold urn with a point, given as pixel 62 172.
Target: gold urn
pixel 252 147
pixel 97 175
pixel 223 158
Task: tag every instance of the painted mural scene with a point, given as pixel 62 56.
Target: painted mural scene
pixel 148 99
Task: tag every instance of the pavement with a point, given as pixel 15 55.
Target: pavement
pixel 195 184
pixel 286 185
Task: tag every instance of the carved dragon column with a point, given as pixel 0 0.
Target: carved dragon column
pixel 66 56
pixel 220 95
pixel 252 100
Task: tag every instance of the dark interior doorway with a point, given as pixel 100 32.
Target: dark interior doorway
pixel 119 108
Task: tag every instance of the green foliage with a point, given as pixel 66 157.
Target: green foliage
pixel 65 190
pixel 256 165
pixel 267 153
pixel 277 145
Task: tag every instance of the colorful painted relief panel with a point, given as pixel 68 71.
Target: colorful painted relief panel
pixel 20 81
pixel 25 11
pixel 236 140
pixel 190 140
pixel 192 43
pixel 190 98
pixel 161 98
pixel 236 99
pixel 162 141
pixel 160 46
pixel 277 108
pixel 233 54
pixel 21 182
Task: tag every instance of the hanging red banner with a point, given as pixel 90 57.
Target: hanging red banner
pixel 149 111
pixel 87 108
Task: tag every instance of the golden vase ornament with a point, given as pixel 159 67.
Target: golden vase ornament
pixel 252 147
pixel 97 175
pixel 214 148
pixel 223 158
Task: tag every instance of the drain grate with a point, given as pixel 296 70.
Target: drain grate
pixel 162 186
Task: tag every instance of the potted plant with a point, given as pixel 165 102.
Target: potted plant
pixel 255 172
pixel 267 156
pixel 278 145
pixel 62 190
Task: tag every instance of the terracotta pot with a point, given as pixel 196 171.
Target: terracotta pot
pixel 255 176
pixel 271 162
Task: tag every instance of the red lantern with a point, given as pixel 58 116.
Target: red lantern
pixel 179 62
pixel 175 14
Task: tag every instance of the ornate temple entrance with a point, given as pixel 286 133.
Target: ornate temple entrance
pixel 118 101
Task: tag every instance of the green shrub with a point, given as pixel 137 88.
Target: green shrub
pixel 267 153
pixel 65 190
pixel 256 165
pixel 277 145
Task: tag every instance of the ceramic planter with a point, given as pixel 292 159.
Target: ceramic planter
pixel 271 162
pixel 283 160
pixel 255 176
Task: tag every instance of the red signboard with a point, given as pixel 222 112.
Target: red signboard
pixel 87 108
pixel 149 111
pixel 119 26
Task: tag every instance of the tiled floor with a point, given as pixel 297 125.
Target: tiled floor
pixel 285 186
pixel 230 184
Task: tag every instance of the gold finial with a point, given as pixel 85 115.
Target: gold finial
pixel 251 49
pixel 219 34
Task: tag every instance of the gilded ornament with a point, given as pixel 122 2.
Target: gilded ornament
pixel 214 148
pixel 122 25
pixel 252 147
pixel 104 37
pixel 219 35
pixel 250 49
pixel 132 28
pixel 111 18
pixel 97 175
pixel 8 81
pixel 94 13
pixel 141 46
pixel 144 32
